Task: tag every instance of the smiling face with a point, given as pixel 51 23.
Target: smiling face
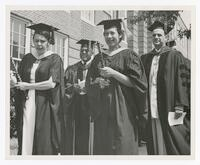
pixel 158 38
pixel 112 37
pixel 85 53
pixel 41 43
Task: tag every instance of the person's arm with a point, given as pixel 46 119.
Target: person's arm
pixel 182 83
pixel 13 80
pixel 123 79
pixel 109 72
pixel 44 85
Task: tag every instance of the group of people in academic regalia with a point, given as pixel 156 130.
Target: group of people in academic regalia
pixel 99 105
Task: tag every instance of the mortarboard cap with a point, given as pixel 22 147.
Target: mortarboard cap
pixel 119 23
pixel 44 27
pixel 90 43
pixel 157 24
pixel 86 41
pixel 110 23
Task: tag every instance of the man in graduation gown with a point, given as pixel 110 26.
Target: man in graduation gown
pixel 168 74
pixel 77 117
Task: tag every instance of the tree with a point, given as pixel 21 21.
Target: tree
pixel 185 32
pixel 168 17
pixel 149 17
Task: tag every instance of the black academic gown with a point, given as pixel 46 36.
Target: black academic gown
pixel 173 89
pixel 117 108
pixel 47 135
pixel 76 113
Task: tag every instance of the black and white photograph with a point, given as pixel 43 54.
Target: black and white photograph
pixel 100 82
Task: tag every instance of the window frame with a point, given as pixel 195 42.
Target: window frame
pixel 65 47
pixel 26 47
pixel 83 18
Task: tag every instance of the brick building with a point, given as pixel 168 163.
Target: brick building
pixel 76 24
pixel 73 26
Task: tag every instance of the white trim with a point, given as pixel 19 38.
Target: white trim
pixel 85 19
pixel 28 41
pixel 19 18
pixel 12 25
pixel 66 53
pixel 19 40
pixel 61 42
pixel 16 59
pixel 109 12
pixel 115 51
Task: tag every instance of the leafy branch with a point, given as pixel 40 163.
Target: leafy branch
pixel 185 32
pixel 167 17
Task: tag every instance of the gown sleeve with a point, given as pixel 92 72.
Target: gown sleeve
pixel 70 100
pixel 67 145
pixel 182 83
pixel 56 67
pixel 93 90
pixel 57 96
pixel 182 133
pixel 136 73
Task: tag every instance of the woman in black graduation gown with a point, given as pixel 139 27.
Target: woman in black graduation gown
pixel 39 96
pixel 116 85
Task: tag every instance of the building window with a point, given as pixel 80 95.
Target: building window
pixel 88 16
pixel 17 39
pixel 59 46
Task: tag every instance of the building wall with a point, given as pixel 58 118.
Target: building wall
pixel 142 38
pixel 133 39
pixel 73 28
pixel 70 24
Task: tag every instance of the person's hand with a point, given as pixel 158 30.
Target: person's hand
pixel 22 86
pixel 107 72
pixel 77 88
pixel 178 113
pixel 13 80
pixel 83 90
pixel 102 82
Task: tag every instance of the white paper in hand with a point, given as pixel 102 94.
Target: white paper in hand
pixel 172 121
pixel 82 86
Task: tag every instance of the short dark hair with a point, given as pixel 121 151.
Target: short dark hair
pixel 46 34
